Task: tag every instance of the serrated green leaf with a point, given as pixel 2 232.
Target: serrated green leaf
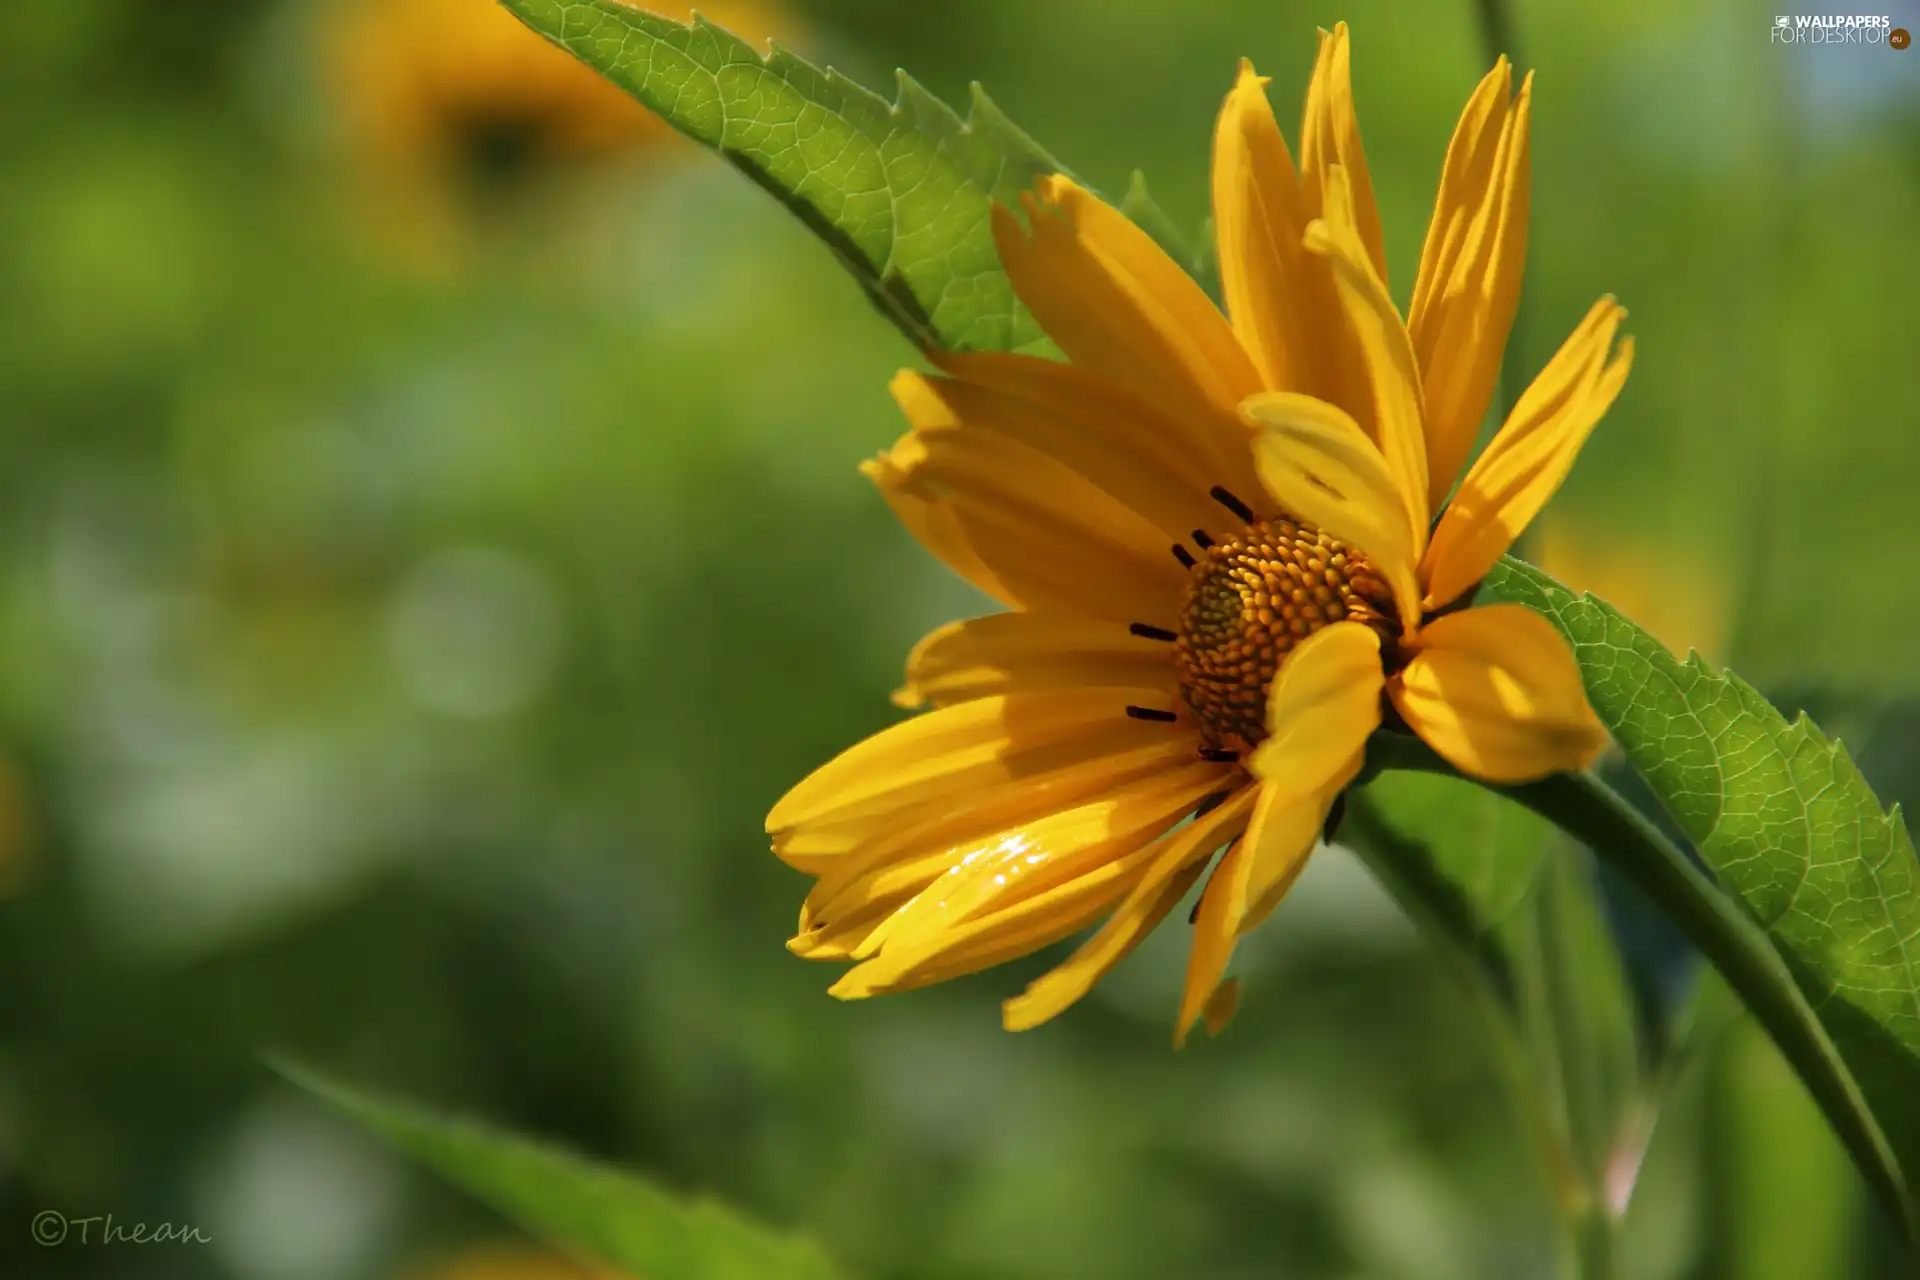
pixel 899 191
pixel 1787 824
pixel 586 1209
pixel 1145 212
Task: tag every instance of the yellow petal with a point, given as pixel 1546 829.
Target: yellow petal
pixel 1470 270
pixel 1177 860
pixel 901 854
pixel 1052 537
pixel 1258 221
pixel 1496 691
pixel 958 750
pixel 1324 705
pixel 1117 305
pixel 1315 462
pixel 1028 652
pixel 1138 457
pixel 1391 410
pixel 1523 467
pixel 1016 881
pixel 1255 874
pixel 928 516
pixel 1330 136
pixel 1214 933
pixel 1221 1006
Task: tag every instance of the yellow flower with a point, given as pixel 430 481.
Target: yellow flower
pixel 446 100
pixel 1213 535
pixel 1672 591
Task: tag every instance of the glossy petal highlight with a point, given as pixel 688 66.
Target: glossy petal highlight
pixel 1178 860
pixel 956 750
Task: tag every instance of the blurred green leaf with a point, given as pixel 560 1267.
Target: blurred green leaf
pixel 1457 857
pixel 590 1210
pixel 900 192
pixel 1781 1197
pixel 1471 866
pixel 1782 816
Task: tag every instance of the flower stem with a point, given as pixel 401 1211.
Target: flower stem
pixel 1590 811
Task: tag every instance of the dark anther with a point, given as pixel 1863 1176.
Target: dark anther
pixel 1231 503
pixel 1200 536
pixel 1208 804
pixel 1334 816
pixel 1146 632
pixel 1219 755
pixel 1184 556
pixel 1150 713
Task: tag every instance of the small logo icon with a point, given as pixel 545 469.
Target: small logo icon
pixel 1782 20
pixel 1899 38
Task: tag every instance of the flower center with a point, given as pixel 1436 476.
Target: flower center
pixel 1251 599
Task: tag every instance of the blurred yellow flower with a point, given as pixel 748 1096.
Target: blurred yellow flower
pixel 1678 596
pixel 1147 702
pixel 511 1262
pixel 444 102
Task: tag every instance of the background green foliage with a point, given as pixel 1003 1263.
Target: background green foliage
pixel 395 664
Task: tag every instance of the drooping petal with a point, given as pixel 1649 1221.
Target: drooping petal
pixel 1279 837
pixel 1177 860
pixel 1221 1006
pixel 1330 136
pixel 1214 936
pixel 1323 705
pixel 1118 306
pixel 1390 408
pixel 1030 652
pixel 1317 463
pixel 928 516
pixel 1523 467
pixel 959 750
pixel 1470 270
pixel 1051 537
pixel 1044 876
pixel 1146 461
pixel 1496 691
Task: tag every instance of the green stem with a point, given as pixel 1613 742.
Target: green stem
pixel 1391 858
pixel 1590 811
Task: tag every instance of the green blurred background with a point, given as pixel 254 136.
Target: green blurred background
pixel 413 594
